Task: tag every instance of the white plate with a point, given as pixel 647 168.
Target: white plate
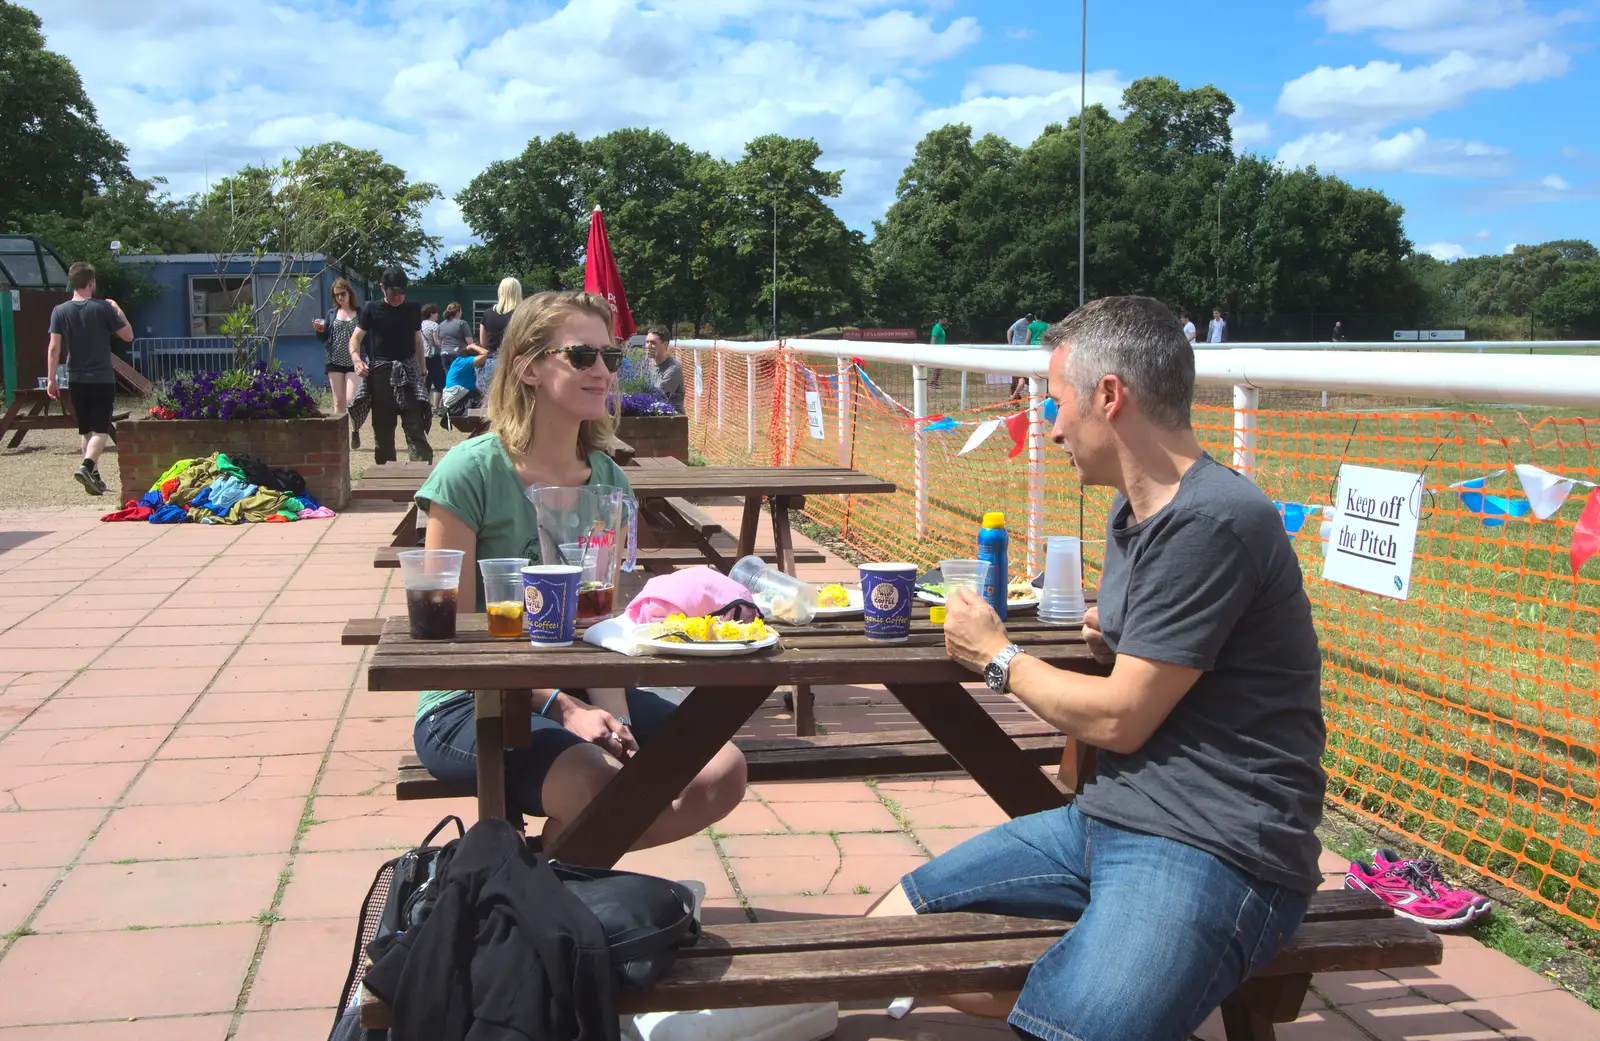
pixel 1011 605
pixel 853 608
pixel 709 649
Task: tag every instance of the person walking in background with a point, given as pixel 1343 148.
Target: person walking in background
pixel 1017 335
pixel 666 372
pixel 387 349
pixel 936 339
pixel 1217 331
pixel 334 329
pixel 430 352
pixel 1338 332
pixel 1188 325
pixel 1036 330
pixel 83 327
pixel 492 327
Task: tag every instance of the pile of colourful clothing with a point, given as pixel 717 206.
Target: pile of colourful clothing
pixel 220 490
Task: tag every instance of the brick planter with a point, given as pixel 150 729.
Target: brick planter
pixel 656 436
pixel 318 448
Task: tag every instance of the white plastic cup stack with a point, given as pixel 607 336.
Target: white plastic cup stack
pixel 1061 599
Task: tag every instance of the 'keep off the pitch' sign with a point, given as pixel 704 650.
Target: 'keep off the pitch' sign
pixel 1374 530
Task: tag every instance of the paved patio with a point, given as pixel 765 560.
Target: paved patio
pixel 195 791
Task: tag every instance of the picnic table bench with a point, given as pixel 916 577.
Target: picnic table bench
pixel 18 423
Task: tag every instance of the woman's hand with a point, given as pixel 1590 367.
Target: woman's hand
pixel 599 727
pixel 360 367
pixel 1095 638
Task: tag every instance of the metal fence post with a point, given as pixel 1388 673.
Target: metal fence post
pixel 1246 400
pixel 919 408
pixel 963 390
pixel 842 405
pixel 788 406
pixel 750 404
pixel 8 344
pixel 722 382
pixel 1036 432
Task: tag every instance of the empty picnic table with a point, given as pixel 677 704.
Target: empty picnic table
pixel 19 423
pixel 724 694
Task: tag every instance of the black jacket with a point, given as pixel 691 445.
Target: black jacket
pixel 508 954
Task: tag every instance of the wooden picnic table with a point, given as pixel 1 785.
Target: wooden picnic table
pixel 18 423
pixel 724 694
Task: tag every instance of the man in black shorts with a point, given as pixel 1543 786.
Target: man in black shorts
pixel 387 349
pixel 84 327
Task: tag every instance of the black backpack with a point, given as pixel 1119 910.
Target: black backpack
pixel 646 919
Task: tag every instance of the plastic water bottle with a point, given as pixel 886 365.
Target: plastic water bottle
pixel 993 546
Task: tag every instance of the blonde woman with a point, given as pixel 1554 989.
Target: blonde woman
pixel 334 330
pixel 551 410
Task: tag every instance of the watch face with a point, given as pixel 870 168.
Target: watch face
pixel 994 677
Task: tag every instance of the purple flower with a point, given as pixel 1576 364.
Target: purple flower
pixel 646 403
pixel 264 394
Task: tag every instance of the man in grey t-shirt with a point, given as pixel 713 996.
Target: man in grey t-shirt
pixel 1190 856
pixel 82 328
pixel 668 376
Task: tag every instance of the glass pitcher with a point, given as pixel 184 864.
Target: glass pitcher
pixel 585 527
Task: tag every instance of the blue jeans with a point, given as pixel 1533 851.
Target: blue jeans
pixel 1164 931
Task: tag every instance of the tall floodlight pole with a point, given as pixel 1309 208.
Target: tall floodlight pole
pixel 1083 97
pixel 774 266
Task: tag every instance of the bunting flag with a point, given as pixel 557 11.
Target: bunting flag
pixel 1050 411
pixel 1586 538
pixel 1017 427
pixel 1295 515
pixel 1545 491
pixel 938 423
pixel 980 435
pixel 1494 509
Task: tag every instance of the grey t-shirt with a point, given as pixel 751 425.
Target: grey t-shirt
pixel 1211 582
pixel 670 373
pixel 453 337
pixel 86 327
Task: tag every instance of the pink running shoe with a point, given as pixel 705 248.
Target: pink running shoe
pixel 1428 866
pixel 1411 894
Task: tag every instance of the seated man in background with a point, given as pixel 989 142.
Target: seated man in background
pixel 1190 856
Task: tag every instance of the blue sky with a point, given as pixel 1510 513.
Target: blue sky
pixel 1477 115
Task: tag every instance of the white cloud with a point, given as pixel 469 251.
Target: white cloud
pixel 1555 183
pixel 1383 92
pixel 1444 250
pixel 198 88
pixel 1250 132
pixel 1481 234
pixel 1410 151
pixel 1511 247
pixel 1440 26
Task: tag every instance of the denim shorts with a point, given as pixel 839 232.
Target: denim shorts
pixel 446 740
pixel 1164 931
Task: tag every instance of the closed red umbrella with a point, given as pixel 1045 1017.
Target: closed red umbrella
pixel 600 275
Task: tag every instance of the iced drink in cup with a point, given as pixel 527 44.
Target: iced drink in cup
pixel 502 595
pixel 431 578
pixel 971 574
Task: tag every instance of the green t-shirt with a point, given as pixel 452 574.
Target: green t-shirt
pixel 938 333
pixel 477 482
pixel 1035 330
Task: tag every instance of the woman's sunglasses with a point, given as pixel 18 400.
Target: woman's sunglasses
pixel 581 356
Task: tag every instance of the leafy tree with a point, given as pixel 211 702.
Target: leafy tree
pixel 1572 306
pixel 527 212
pixel 1510 286
pixel 52 149
pixel 470 265
pixel 1573 249
pixel 359 210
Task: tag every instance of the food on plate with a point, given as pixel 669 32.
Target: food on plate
pixel 833 596
pixel 1020 589
pixel 708 629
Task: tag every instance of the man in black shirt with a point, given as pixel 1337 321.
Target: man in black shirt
pixel 387 350
pixel 83 327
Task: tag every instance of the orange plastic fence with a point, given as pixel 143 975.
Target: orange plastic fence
pixel 1465 717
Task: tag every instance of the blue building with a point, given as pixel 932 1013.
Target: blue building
pixel 180 328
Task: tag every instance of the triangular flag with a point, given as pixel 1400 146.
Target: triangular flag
pixel 1017 427
pixel 1586 539
pixel 1545 490
pixel 1494 509
pixel 939 423
pixel 980 435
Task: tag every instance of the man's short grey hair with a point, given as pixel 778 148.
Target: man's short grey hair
pixel 1137 339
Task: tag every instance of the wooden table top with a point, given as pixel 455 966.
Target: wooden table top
pixel 399 481
pixel 826 652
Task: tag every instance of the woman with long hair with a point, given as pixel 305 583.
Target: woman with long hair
pixel 552 414
pixel 492 326
pixel 334 329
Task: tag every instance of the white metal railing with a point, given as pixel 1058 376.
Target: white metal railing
pixel 1571 381
pixel 161 359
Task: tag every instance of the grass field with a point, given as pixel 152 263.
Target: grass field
pixel 1465 717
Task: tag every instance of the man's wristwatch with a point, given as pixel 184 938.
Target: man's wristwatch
pixel 998 671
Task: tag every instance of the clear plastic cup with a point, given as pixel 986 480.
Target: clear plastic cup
pixel 781 596
pixel 502 595
pixel 431 578
pixel 1061 600
pixel 969 574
